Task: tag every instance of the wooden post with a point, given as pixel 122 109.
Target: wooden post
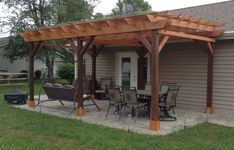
pixel 80 78
pixel 94 51
pixel 141 61
pixel 154 121
pixel 33 49
pixel 209 102
pixel 141 72
pixel 80 50
pixel 93 75
pixel 31 101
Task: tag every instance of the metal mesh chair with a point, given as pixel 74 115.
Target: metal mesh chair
pixel 101 92
pixel 168 102
pixel 115 99
pixel 131 101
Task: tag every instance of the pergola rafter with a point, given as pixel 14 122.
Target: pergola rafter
pixel 128 24
pixel 150 30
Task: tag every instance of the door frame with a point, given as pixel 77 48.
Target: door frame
pixel 134 67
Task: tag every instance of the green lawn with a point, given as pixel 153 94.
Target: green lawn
pixel 21 129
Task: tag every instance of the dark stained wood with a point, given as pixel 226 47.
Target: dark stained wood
pixel 31 72
pixel 93 75
pixel 80 49
pixel 94 52
pixel 155 76
pixel 210 69
pixel 141 61
pixel 33 50
pixel 80 73
pixel 87 44
pixel 144 41
pixel 208 48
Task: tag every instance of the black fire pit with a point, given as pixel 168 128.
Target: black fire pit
pixel 16 96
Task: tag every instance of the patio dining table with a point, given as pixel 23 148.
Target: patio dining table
pixel 145 96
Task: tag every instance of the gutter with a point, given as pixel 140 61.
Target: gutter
pixel 227 35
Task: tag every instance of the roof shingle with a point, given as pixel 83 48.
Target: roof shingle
pixel 222 12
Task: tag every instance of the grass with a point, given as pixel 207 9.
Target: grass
pixel 21 129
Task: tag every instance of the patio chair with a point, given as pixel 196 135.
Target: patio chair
pixel 164 86
pixel 88 95
pixel 168 102
pixel 131 100
pixel 148 86
pixel 101 92
pixel 115 99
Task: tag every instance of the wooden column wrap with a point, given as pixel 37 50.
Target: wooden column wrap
pixel 31 103
pixel 80 112
pixel 209 110
pixel 154 125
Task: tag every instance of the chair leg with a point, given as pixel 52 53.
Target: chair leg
pixel 95 103
pixel 136 112
pixel 108 110
pixel 173 110
pixel 122 111
pixel 61 102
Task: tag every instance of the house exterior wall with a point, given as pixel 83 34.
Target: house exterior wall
pixel 186 64
pixel 18 65
pixel 106 65
pixel 223 96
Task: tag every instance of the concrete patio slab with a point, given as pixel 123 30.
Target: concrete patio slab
pixel 185 117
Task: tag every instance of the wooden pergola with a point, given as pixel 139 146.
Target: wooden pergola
pixel 151 30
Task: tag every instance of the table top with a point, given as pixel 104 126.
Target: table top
pixel 145 92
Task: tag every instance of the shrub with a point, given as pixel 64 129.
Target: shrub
pixel 38 74
pixel 62 81
pixel 66 71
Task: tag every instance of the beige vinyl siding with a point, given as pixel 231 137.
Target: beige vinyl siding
pixel 185 64
pixel 105 64
pixel 224 76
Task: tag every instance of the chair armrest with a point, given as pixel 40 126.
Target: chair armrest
pixel 162 98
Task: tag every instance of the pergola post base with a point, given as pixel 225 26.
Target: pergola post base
pixel 209 110
pixel 31 103
pixel 154 125
pixel 80 112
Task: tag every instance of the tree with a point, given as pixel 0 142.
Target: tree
pixel 138 6
pixel 28 14
pixel 73 10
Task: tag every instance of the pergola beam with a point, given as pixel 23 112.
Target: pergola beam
pixel 144 41
pixel 87 44
pixel 91 31
pixel 163 42
pixel 185 35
